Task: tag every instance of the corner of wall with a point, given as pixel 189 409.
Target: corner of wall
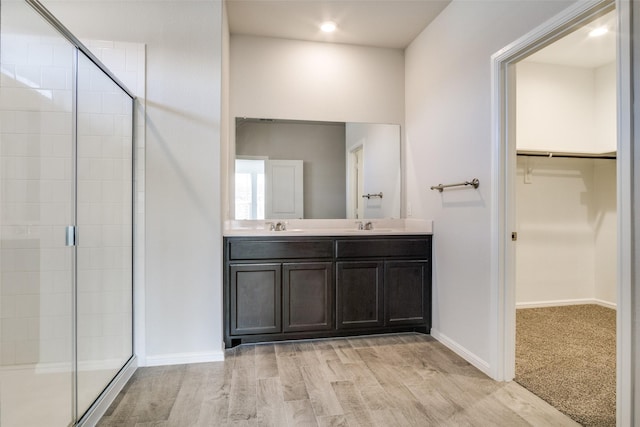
pixel 461 351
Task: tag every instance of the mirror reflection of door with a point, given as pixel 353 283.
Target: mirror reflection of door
pixel 268 188
pixel 284 189
pixel 356 182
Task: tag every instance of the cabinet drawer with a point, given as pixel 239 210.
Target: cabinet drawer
pixel 279 249
pixel 401 248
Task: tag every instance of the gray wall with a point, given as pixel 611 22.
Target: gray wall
pixel 322 148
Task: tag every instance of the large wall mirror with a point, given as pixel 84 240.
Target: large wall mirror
pixel 287 169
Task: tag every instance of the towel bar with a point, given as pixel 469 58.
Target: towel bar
pixel 475 183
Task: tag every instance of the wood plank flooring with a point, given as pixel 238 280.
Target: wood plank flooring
pixel 388 380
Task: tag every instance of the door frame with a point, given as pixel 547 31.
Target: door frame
pixel 503 155
pixel 355 182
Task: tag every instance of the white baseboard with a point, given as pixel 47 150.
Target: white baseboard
pixel 559 303
pixel 183 358
pixel 607 304
pixel 476 361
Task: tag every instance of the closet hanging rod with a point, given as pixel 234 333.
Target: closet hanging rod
pixel 550 154
pixel 475 183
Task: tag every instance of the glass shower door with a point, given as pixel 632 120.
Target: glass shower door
pixel 104 247
pixel 36 199
pixel 66 149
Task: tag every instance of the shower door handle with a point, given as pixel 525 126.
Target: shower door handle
pixel 70 235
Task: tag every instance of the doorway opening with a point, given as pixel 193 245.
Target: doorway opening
pixel 565 192
pixel 528 175
pixel 355 175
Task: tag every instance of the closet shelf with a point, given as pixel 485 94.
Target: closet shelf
pixel 550 154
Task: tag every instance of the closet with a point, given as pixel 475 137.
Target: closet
pixel 566 184
pixel 566 221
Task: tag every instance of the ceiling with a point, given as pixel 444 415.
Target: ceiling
pixel 380 23
pixel 577 49
pixel 394 24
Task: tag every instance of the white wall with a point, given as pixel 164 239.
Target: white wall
pixel 605 223
pixel 448 137
pixel 605 186
pixel 566 109
pixel 566 251
pixel 183 291
pixel 566 223
pixel 289 79
pixel 606 108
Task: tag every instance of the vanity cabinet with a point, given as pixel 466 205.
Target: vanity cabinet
pixel 276 297
pixel 389 284
pixel 292 287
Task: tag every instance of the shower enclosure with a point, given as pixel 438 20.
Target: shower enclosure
pixel 66 177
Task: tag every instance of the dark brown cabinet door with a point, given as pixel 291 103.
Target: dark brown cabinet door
pixel 307 296
pixel 359 294
pixel 255 297
pixel 407 298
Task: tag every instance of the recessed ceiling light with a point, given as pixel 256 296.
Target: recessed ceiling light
pixel 596 32
pixel 328 27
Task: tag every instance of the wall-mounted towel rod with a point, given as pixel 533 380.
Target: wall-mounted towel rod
pixel 368 196
pixel 551 154
pixel 475 183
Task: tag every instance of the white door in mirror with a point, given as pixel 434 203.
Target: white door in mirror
pixel 284 189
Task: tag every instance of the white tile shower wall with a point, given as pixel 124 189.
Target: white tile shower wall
pixel 105 187
pixel 35 191
pixel 103 329
pixel 31 257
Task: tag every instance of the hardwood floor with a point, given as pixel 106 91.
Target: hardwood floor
pixel 389 380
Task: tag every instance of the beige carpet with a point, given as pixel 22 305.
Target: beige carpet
pixel 567 356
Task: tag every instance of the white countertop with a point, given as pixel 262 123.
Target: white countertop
pixel 328 227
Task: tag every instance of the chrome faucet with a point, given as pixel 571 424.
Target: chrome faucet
pixel 364 226
pixel 278 226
